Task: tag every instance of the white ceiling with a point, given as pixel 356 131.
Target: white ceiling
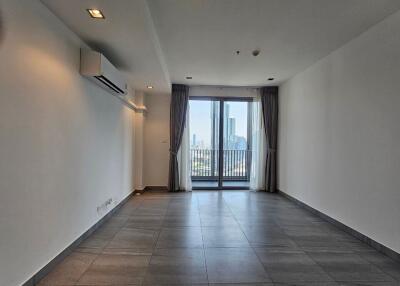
pixel 126 37
pixel 157 42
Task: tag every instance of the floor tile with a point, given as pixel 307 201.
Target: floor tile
pixel 224 237
pixel 270 235
pixel 234 265
pixel 116 270
pixel 146 221
pixel 181 220
pixel 347 267
pixel 68 271
pixel 174 211
pixel 291 266
pixel 180 237
pixel 177 266
pixel 221 220
pixel 179 284
pixel 366 283
pixel 383 262
pixel 100 238
pixel 149 211
pixel 126 210
pixel 331 283
pixel 134 238
pixel 246 219
pixel 324 243
pixel 221 238
pixel 116 221
pixel 321 230
pixel 242 284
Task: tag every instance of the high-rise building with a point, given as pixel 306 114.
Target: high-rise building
pixel 231 135
pixel 194 140
pixel 214 125
pixel 226 125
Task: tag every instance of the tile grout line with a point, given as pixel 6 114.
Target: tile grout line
pixel 155 243
pixel 305 252
pixel 252 248
pixel 84 272
pixel 258 257
pixel 102 249
pixel 350 251
pixel 202 239
pixel 387 273
pixel 97 256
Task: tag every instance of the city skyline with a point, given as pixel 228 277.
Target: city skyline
pixel 203 114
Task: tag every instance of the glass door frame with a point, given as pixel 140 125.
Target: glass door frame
pixel 222 100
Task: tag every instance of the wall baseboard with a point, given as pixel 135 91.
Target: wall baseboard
pixel 67 251
pixel 156 189
pixel 369 241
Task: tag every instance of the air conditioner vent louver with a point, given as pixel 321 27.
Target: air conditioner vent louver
pixel 96 67
pixel 108 83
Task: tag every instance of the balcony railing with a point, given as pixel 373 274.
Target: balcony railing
pixel 204 164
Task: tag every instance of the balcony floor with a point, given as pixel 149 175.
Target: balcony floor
pixel 214 184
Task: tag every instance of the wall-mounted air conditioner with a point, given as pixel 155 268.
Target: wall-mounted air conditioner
pixel 96 67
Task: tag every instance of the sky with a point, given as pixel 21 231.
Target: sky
pixel 200 119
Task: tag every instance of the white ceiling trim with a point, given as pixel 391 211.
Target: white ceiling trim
pixel 223 91
pixel 157 42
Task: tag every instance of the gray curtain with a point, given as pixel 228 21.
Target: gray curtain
pixel 178 109
pixel 269 101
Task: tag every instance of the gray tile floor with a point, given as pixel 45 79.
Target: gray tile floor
pixel 221 238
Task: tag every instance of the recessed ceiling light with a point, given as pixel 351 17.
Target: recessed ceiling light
pixel 150 87
pixel 189 77
pixel 96 13
pixel 271 78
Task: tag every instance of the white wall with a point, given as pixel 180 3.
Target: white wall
pixel 156 140
pixel 65 144
pixel 138 141
pixel 340 132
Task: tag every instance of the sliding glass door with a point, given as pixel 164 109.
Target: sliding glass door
pixel 219 146
pixel 204 142
pixel 236 146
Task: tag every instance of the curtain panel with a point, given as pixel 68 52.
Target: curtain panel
pixel 269 101
pixel 184 164
pixel 258 146
pixel 178 109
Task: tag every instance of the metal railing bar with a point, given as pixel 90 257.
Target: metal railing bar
pixel 204 163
